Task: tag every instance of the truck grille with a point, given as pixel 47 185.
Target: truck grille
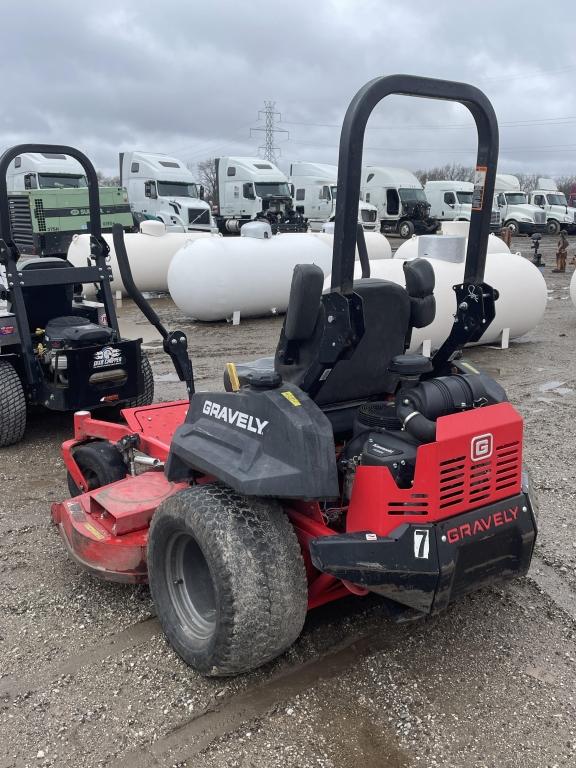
pixel 21 223
pixel 540 217
pixel 198 216
pixel 368 216
pixel 495 218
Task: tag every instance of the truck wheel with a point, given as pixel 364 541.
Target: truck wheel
pixel 101 464
pixel 406 229
pixel 227 577
pixel 513 226
pixel 146 397
pixel 553 227
pixel 12 405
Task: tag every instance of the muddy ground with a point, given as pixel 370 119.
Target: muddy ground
pixel 86 678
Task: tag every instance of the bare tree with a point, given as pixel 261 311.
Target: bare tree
pixel 206 171
pixel 450 171
pixel 566 184
pixel 107 181
pixel 528 181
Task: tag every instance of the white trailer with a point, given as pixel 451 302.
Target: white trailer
pixel 251 188
pixel 515 210
pixel 559 215
pixel 314 187
pixel 161 187
pixel 451 200
pixel 399 197
pixel 48 170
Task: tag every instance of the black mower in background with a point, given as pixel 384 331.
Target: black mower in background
pixel 58 350
pixel 341 465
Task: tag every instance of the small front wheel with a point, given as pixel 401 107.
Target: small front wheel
pixel 100 463
pixel 513 226
pixel 553 227
pixel 227 577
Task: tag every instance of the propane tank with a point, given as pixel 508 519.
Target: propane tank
pixel 150 252
pixel 377 245
pixel 520 306
pixel 212 278
pixel 422 245
pixel 573 288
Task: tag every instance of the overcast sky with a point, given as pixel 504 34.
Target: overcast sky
pixel 188 77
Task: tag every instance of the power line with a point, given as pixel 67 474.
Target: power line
pixel 271 117
pixel 545 121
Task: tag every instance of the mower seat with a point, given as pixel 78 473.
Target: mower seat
pixel 45 303
pixel 390 313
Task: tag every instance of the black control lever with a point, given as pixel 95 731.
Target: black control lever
pixel 175 343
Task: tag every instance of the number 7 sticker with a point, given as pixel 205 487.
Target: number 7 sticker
pixel 422 543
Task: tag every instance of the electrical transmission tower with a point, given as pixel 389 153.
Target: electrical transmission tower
pixel 269 150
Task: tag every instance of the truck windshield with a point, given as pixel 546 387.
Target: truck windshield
pixel 515 198
pixel 412 196
pixel 177 189
pixel 333 190
pixel 272 189
pixel 60 181
pixel 464 197
pixel 557 199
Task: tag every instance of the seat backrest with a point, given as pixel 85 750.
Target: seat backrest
pixel 386 314
pixel 420 282
pixel 43 303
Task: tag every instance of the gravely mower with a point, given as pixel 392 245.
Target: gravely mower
pixel 56 349
pixel 342 465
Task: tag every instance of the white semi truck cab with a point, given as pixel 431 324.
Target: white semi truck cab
pixel 251 188
pixel 399 197
pixel 161 187
pixel 452 201
pixel 559 215
pixel 314 187
pixel 34 170
pixel 516 212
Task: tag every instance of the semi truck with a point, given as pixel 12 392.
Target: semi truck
pixel 451 200
pixel 516 212
pixel 559 214
pixel 402 206
pixel 313 189
pixel 161 187
pixel 48 203
pixel 250 188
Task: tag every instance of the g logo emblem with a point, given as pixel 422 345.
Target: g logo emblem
pixel 481 447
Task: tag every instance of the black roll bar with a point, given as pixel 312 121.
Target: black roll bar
pixel 350 168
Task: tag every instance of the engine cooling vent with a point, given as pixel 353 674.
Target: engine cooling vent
pixel 379 415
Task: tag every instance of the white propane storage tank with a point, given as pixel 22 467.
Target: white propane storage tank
pixel 522 289
pixel 150 252
pixel 573 288
pixel 377 245
pixel 214 279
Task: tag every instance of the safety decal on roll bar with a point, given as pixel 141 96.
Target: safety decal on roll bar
pixel 479 182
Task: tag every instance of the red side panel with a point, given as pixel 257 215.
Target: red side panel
pixel 475 461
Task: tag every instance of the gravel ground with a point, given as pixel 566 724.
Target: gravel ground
pixel 86 678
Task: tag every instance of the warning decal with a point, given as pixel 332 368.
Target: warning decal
pixel 479 182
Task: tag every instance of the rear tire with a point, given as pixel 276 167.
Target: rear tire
pixel 146 397
pixel 227 577
pixel 12 405
pixel 406 230
pixel 553 227
pixel 101 464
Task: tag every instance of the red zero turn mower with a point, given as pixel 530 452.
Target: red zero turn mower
pixel 341 465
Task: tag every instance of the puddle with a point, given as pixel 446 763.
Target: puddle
pixel 548 386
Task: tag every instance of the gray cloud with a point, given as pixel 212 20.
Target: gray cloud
pixel 189 77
